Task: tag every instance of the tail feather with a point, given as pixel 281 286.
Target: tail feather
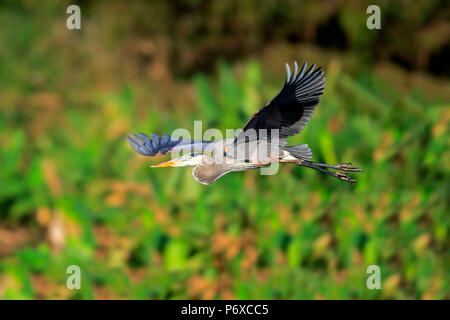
pixel 301 151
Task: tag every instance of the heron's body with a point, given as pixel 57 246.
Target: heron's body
pixel 262 140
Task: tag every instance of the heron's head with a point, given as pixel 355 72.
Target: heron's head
pixel 191 159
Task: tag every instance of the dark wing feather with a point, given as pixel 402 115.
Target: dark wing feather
pixel 164 144
pixel 292 108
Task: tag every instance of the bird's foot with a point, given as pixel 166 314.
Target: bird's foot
pixel 343 177
pixel 347 166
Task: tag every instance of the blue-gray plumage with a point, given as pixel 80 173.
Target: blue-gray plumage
pixel 152 147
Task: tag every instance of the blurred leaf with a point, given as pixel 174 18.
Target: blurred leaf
pixel 175 255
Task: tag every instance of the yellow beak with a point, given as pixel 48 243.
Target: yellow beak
pixel 170 163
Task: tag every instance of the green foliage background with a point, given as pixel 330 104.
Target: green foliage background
pixel 73 192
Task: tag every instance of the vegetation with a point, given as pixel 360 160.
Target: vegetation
pixel 73 192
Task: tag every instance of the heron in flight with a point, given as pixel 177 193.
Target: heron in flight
pixel 285 115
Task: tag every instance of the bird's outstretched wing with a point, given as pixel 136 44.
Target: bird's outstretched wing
pixel 164 144
pixel 291 109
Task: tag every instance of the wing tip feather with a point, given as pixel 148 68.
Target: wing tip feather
pixel 151 147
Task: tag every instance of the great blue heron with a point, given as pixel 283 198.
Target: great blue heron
pixel 285 115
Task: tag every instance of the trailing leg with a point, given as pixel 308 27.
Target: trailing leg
pixel 339 175
pixel 341 166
